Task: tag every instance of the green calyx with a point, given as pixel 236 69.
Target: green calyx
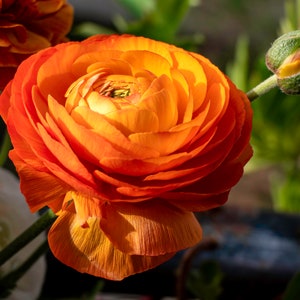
pixel 283 59
pixel 281 49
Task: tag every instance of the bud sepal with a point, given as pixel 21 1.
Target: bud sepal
pixel 283 59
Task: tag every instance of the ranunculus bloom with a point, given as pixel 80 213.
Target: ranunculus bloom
pixel 124 138
pixel 27 26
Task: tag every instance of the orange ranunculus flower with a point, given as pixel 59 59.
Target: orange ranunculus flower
pixel 124 138
pixel 27 26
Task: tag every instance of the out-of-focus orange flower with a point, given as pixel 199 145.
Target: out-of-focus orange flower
pixel 124 138
pixel 27 26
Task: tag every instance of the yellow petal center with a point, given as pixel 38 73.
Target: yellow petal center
pixel 115 90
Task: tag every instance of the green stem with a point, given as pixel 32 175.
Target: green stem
pixel 263 88
pixel 27 236
pixel 209 243
pixel 92 294
pixel 5 147
pixel 8 282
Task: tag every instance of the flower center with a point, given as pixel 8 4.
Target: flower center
pixel 115 89
pixel 103 93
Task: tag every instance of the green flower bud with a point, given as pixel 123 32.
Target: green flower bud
pixel 283 59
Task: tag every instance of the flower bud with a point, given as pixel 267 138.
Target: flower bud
pixel 283 59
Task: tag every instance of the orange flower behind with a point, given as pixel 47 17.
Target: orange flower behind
pixel 124 138
pixel 27 27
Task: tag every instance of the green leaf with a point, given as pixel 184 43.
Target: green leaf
pixel 205 282
pixel 238 69
pixel 86 29
pixel 160 23
pixel 138 8
pixel 286 192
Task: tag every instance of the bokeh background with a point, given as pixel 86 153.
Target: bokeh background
pixel 234 35
pixel 258 229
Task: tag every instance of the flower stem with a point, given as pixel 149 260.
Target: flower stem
pixel 8 282
pixel 5 147
pixel 206 244
pixel 27 236
pixel 92 294
pixel 262 88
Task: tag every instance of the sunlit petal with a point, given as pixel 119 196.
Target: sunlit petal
pixel 92 252
pixel 143 228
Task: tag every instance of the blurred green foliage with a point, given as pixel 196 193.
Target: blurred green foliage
pixel 276 120
pixel 276 123
pixel 205 283
pixel 292 16
pixel 159 20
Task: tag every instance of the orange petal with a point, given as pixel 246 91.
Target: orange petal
pixel 85 207
pixel 99 103
pixel 218 97
pixel 193 72
pixel 150 228
pixel 128 43
pixel 57 25
pixel 93 124
pixel 153 62
pixel 165 167
pixel 98 59
pixel 54 77
pixel 133 120
pixel 200 166
pixel 112 66
pixel 161 98
pixel 164 142
pixel 243 117
pixel 35 186
pixel 135 167
pixel 66 158
pixel 219 181
pixel 54 157
pixel 85 140
pixel 88 250
pixel 24 79
pixel 196 202
pixel 5 101
pixel 185 103
pixel 48 7
pixel 31 44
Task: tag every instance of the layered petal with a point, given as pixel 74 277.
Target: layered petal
pixel 126 137
pixel 143 228
pixel 27 27
pixel 89 250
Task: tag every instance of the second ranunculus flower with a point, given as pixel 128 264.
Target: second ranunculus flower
pixel 27 27
pixel 124 138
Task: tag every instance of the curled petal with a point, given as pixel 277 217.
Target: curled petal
pixel 143 228
pixel 124 138
pixel 34 181
pixel 134 120
pixel 161 98
pixel 88 250
pixel 164 142
pixel 148 60
pixel 196 78
pixel 89 123
pixel 32 43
